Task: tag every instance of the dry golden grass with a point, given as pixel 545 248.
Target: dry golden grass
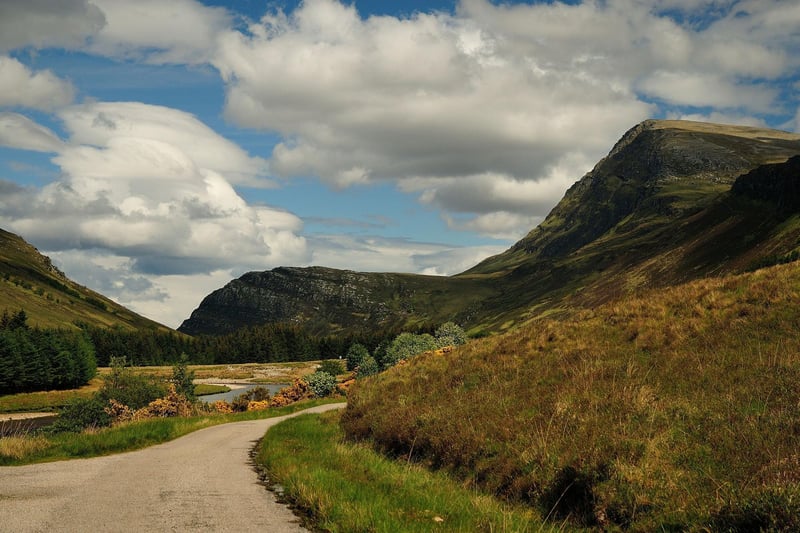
pixel 650 412
pixel 19 446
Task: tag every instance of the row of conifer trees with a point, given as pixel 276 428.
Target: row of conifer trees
pixel 34 359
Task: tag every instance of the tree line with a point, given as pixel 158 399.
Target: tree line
pixel 33 359
pixel 270 343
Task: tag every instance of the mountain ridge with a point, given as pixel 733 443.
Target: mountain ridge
pixel 659 209
pixel 30 281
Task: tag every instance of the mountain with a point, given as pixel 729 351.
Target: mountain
pixel 671 202
pixel 30 281
pixel 330 301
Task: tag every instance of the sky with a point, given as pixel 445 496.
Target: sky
pixel 158 149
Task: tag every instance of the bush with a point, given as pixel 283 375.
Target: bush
pixel 173 404
pixel 450 334
pixel 368 367
pixel 126 387
pixel 297 391
pixel 355 355
pixel 321 383
pixel 408 345
pixel 183 378
pixel 80 414
pixel 257 394
pixel 334 367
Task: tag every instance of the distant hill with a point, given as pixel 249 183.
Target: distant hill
pixel 30 281
pixel 672 201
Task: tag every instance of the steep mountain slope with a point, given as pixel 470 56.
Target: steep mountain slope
pixel 661 209
pixel 672 201
pixel 29 281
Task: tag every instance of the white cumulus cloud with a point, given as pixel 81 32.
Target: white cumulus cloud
pixel 43 23
pixel 152 186
pixel 22 87
pixel 178 31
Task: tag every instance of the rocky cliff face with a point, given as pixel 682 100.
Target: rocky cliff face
pixel 324 300
pixel 658 210
pixel 777 183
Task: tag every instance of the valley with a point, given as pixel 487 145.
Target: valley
pixel 632 362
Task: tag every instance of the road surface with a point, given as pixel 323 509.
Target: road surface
pixel 200 482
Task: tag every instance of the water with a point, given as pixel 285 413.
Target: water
pixel 233 393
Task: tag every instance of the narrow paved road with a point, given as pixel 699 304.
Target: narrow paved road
pixel 200 482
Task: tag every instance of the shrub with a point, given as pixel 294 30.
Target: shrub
pixel 240 403
pixel 450 334
pixel 183 378
pixel 355 355
pixel 173 404
pixel 128 388
pixel 408 345
pixel 244 401
pixel 257 394
pixel 321 383
pixel 221 406
pixel 297 391
pixel 368 367
pixel 334 367
pixel 258 405
pixel 80 414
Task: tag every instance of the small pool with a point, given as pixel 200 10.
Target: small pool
pixel 241 388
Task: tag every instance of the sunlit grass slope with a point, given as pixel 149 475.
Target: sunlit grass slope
pixel 29 281
pixel 677 409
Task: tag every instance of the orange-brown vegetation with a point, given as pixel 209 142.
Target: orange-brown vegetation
pixel 676 409
pixel 295 392
pixel 173 404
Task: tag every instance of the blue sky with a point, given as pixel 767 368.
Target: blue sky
pixel 158 149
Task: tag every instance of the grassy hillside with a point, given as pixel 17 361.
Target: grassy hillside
pixel 675 409
pixel 29 281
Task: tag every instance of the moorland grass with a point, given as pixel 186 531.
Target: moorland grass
pixel 677 409
pixel 345 487
pixel 35 448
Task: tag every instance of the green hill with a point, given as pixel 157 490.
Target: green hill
pixel 29 281
pixel 661 209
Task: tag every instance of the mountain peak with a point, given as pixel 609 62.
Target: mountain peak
pixel 658 210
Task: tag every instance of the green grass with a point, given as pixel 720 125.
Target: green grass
pixel 347 487
pixel 204 389
pixel 126 437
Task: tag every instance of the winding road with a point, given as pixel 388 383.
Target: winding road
pixel 200 482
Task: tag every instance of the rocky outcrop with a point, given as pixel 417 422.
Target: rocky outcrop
pixel 324 300
pixel 777 183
